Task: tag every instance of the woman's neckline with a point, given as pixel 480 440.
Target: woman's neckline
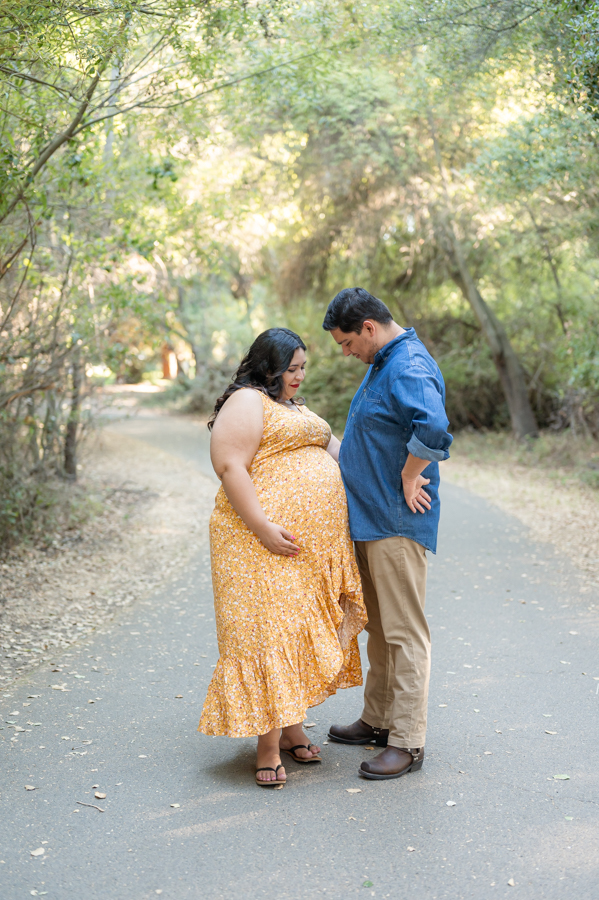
pixel 288 404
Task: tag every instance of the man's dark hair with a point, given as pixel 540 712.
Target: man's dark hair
pixel 351 307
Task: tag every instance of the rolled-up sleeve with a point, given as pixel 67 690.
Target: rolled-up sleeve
pixel 420 394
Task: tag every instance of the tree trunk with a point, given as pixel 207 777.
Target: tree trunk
pixel 511 374
pixel 70 441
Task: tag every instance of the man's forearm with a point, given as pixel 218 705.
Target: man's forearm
pixel 413 467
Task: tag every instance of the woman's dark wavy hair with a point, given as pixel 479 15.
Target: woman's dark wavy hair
pixel 263 365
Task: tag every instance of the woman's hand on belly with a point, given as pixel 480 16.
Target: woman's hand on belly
pixel 278 539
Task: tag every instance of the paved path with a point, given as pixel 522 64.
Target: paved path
pixel 183 819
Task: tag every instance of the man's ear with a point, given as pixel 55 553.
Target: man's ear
pixel 369 326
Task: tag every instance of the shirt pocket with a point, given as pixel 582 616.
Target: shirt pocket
pixel 371 407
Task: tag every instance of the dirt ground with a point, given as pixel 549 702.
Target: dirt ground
pixel 155 514
pixel 556 506
pixel 155 511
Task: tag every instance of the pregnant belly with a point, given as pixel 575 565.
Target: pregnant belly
pixel 303 491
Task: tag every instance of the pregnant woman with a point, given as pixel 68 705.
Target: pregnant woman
pixel 287 591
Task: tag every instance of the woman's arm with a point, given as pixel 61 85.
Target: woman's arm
pixel 334 447
pixel 234 442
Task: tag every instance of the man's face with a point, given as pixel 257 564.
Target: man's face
pixel 363 346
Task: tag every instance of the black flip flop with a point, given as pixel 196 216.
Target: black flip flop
pixel 269 769
pixel 299 759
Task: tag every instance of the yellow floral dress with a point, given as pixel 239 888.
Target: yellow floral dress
pixel 287 626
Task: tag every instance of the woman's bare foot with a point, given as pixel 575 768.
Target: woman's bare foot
pixel 294 735
pixel 269 757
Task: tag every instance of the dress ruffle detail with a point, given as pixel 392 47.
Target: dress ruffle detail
pixel 252 695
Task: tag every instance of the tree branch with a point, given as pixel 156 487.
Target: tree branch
pixel 66 135
pixel 148 105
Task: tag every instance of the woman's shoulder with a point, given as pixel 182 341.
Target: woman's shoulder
pixel 245 398
pixel 242 406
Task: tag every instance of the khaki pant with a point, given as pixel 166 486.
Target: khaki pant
pixel 393 572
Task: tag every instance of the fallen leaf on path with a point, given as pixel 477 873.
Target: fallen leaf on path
pixel 550 732
pixel 91 805
pixel 60 687
pixel 279 787
pixel 176 805
pixel 460 772
pixel 351 818
pixel 512 883
pixel 178 696
pixel 442 705
pixel 488 753
pixel 562 777
pixel 450 803
pixel 547 715
pixel 99 795
pixel 498 732
pixel 309 724
pixel 411 849
pixel 354 790
pixel 29 787
pixel 367 884
pixel 39 852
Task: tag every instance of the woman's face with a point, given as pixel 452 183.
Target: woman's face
pixel 294 375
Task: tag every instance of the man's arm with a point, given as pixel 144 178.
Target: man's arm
pixel 418 391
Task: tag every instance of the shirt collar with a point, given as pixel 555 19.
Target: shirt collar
pixel 384 353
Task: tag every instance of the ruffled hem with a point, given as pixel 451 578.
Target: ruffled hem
pixel 246 696
pixel 252 695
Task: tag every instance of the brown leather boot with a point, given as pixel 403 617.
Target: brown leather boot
pixel 359 733
pixel 392 763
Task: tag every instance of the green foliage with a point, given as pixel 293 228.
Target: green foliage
pixel 189 179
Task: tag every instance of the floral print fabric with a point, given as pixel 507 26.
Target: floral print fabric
pixel 287 626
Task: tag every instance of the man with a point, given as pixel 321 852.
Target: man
pixel 396 434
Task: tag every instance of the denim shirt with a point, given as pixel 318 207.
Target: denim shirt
pixel 398 409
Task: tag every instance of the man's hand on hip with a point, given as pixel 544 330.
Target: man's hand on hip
pixel 413 484
pixel 416 496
